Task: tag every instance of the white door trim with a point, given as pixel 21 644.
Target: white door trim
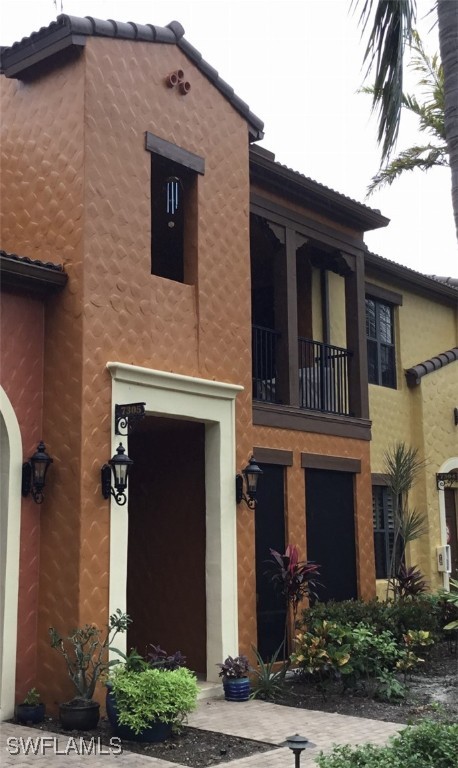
pixel 10 527
pixel 212 403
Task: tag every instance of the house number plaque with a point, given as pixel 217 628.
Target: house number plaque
pixel 127 416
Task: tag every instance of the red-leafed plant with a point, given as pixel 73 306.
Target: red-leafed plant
pixel 409 582
pixel 294 579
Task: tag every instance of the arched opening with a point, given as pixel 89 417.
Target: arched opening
pixel 10 522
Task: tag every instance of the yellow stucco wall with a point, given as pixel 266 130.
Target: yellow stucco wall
pixel 422 416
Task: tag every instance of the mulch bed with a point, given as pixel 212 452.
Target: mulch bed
pixel 432 694
pixel 192 746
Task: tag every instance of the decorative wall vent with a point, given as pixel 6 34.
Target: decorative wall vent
pixel 177 79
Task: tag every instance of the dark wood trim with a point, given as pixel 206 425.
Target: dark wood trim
pixel 325 319
pixel 273 456
pixel 287 417
pixel 383 293
pixel 378 478
pixel 291 313
pixel 316 230
pixel 174 152
pixel 334 463
pixel 355 318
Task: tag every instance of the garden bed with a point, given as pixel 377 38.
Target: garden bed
pixel 432 693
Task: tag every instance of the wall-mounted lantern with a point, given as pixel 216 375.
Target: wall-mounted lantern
pixel 251 474
pixel 34 473
pixel 119 465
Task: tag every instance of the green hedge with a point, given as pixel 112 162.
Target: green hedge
pixel 429 745
pixel 425 612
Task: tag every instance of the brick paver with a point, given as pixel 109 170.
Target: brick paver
pixel 251 720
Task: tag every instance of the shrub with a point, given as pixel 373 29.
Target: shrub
pixel 153 694
pixel 424 612
pixel 357 655
pixel 428 745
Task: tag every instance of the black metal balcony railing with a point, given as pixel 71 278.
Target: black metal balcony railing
pixel 323 377
pixel 264 343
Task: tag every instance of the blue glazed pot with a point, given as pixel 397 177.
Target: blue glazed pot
pixel 157 731
pixel 27 713
pixel 237 689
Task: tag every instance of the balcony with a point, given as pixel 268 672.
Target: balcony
pixel 322 373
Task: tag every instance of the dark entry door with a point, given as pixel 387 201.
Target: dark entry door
pixel 166 595
pixel 330 529
pixel 452 535
pixel 270 534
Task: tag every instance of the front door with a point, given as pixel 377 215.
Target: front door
pixel 330 529
pixel 166 584
pixel 270 534
pixel 450 522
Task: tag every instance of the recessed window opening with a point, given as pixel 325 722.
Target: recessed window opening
pixel 172 204
pixel 174 215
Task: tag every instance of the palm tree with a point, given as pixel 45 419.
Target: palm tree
pixel 430 114
pixel 392 23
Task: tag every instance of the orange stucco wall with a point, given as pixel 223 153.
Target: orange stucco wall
pixel 21 376
pixel 82 196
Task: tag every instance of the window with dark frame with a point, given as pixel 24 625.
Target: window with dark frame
pixel 381 359
pixel 383 521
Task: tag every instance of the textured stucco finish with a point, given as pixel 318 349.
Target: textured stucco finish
pixel 21 376
pixel 78 179
pixel 422 417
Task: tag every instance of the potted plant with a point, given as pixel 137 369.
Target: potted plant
pixel 146 701
pixel 85 653
pixel 236 683
pixel 31 710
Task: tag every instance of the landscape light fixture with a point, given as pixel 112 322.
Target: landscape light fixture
pixel 251 475
pixel 297 744
pixel 34 473
pixel 119 465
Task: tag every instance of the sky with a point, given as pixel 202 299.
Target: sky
pixel 298 64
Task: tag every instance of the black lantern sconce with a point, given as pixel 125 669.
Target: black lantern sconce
pixel 34 473
pixel 119 464
pixel 297 744
pixel 251 474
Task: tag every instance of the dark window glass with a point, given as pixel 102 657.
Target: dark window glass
pixel 383 521
pixel 380 343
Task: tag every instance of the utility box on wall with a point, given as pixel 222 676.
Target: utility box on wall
pixel 444 560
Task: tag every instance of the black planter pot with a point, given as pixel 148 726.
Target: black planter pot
pixel 158 731
pixel 79 715
pixel 28 713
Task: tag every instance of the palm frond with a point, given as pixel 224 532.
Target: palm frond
pixel 422 158
pixel 412 525
pixel 392 24
pixel 402 467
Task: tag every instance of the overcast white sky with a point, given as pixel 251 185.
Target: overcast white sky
pixel 298 65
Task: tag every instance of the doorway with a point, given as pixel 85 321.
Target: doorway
pixel 451 528
pixel 270 534
pixel 166 595
pixel 330 527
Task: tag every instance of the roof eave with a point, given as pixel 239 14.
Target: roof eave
pixel 410 279
pixel 313 195
pixel 32 277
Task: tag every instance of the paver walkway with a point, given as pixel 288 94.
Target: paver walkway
pixel 252 720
